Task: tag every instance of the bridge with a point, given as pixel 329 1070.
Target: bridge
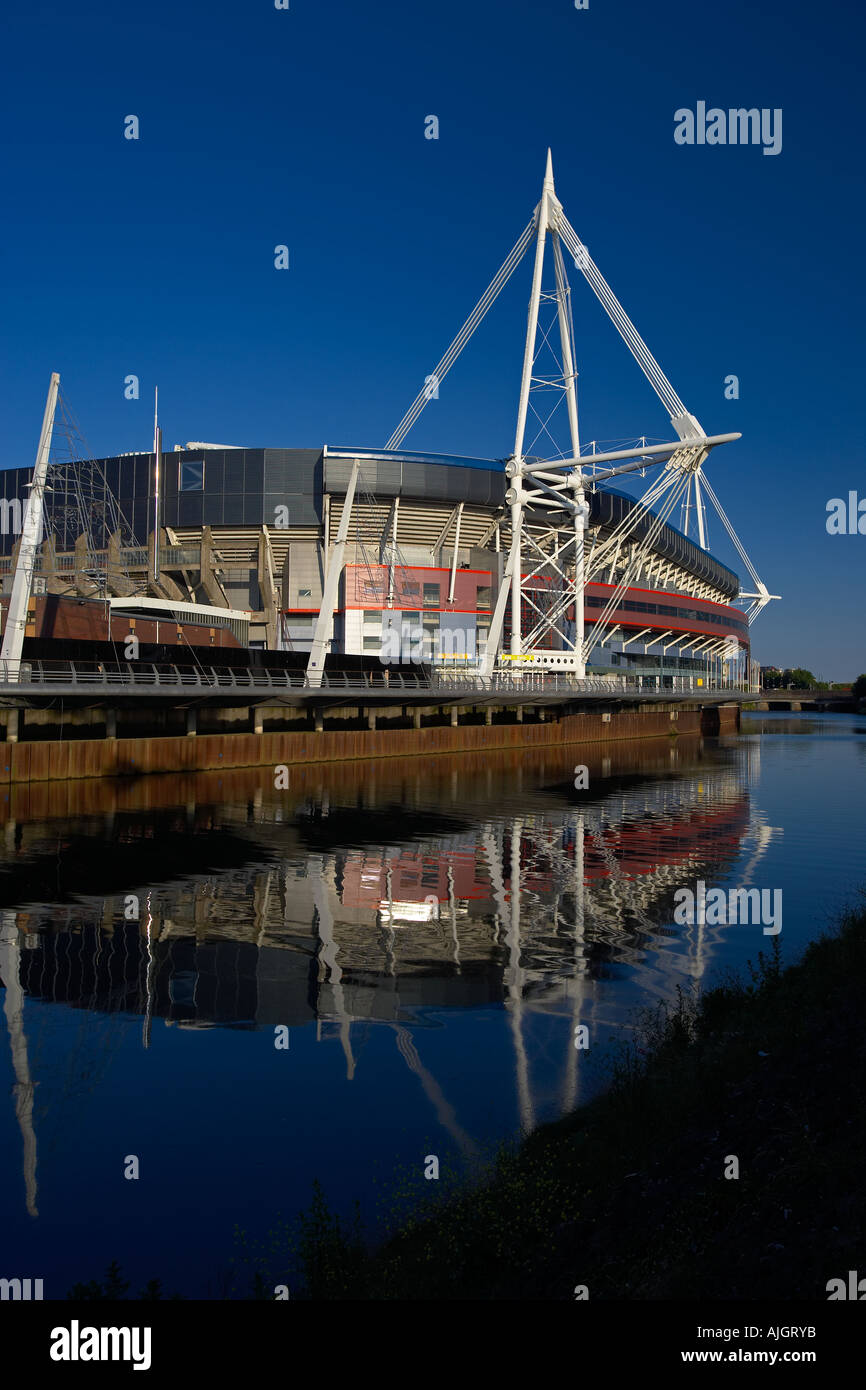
pixel 840 700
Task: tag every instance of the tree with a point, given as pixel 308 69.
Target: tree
pixel 858 689
pixel 801 679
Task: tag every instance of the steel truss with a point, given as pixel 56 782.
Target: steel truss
pixel 547 565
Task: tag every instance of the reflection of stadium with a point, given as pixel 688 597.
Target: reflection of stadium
pixel 427 922
pixel 534 911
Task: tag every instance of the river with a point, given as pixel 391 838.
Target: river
pixel 245 988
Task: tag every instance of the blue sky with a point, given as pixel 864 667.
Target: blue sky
pixel 305 127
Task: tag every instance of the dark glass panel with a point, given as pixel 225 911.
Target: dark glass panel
pixel 212 509
pixel 189 509
pixel 234 473
pixel 254 470
pixel 253 514
pixel 233 509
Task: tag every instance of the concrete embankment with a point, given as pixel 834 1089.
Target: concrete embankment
pixel 333 735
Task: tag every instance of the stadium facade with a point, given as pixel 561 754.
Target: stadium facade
pixel 252 530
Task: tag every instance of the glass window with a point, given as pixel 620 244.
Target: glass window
pixel 305 593
pixel 373 615
pixel 372 644
pixel 431 595
pixel 191 477
pixel 484 596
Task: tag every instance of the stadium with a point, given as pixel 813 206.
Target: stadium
pixel 248 533
pixel 340 557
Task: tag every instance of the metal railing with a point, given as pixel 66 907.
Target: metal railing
pixel 136 557
pixel 73 676
pixel 180 556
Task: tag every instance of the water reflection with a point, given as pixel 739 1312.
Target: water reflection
pixel 22 1089
pixel 370 894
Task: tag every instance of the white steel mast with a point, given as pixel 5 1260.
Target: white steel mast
pixel 157 462
pixel 31 535
pixel 515 496
pixel 546 219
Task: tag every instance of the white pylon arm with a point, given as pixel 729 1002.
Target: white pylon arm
pixel 685 424
pixel 491 294
pixel 566 336
pixel 31 535
pixel 763 596
pixel 642 455
pixel 541 222
pixel 699 504
pixel 334 568
pixel 497 622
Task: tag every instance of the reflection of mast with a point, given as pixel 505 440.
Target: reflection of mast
pixel 261 903
pixel 763 836
pixel 14 1010
pixel 452 903
pixel 445 1112
pixel 515 976
pixel 328 954
pixel 494 868
pixel 570 1086
pixel 509 912
pixel 148 979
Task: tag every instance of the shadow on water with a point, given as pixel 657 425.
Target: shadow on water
pixel 66 865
